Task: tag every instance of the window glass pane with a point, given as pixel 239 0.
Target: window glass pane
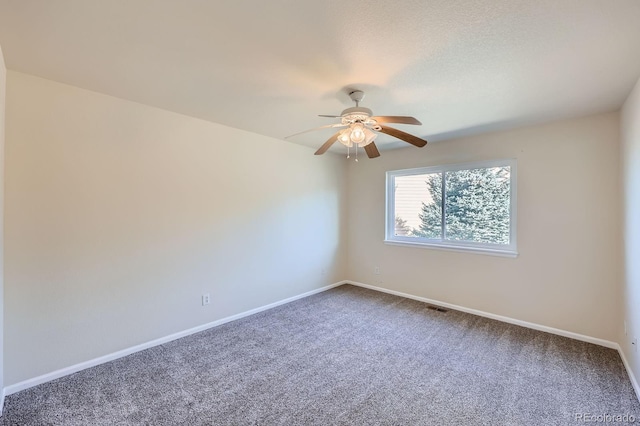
pixel 418 204
pixel 477 205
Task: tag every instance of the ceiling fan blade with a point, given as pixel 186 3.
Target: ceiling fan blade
pixel 330 116
pixel 327 144
pixel 396 119
pixel 372 150
pixel 317 128
pixel 413 140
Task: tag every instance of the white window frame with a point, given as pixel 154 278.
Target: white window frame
pixel 508 250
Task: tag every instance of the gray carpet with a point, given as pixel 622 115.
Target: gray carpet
pixel 348 356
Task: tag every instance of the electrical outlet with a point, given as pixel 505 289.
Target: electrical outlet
pixel 634 342
pixel 323 271
pixel 376 270
pixel 206 299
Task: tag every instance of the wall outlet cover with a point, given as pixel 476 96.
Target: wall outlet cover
pixel 206 299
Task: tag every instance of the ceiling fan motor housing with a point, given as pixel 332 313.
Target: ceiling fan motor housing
pixel 366 112
pixel 359 115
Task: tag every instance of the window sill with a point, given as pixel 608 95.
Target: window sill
pixel 455 248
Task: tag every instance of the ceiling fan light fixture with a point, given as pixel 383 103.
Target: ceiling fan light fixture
pixel 357 133
pixel 345 137
pixel 369 137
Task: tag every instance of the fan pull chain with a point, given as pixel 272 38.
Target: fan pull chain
pixel 348 155
pixel 356 153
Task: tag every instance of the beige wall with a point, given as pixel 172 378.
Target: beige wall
pixel 120 216
pixel 631 213
pixel 3 75
pixel 567 273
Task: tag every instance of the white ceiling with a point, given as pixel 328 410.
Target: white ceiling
pixel 270 67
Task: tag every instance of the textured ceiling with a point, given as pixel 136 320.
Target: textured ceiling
pixel 270 67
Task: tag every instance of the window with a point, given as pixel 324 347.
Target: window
pixel 468 207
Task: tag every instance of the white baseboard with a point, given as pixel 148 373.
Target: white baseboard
pixel 526 324
pixel 119 354
pixel 634 382
pixel 2 393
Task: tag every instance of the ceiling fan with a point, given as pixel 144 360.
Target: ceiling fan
pixel 361 127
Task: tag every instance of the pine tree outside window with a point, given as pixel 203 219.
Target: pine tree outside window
pixel 469 207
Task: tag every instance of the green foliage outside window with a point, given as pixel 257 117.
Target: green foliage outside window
pixel 476 207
